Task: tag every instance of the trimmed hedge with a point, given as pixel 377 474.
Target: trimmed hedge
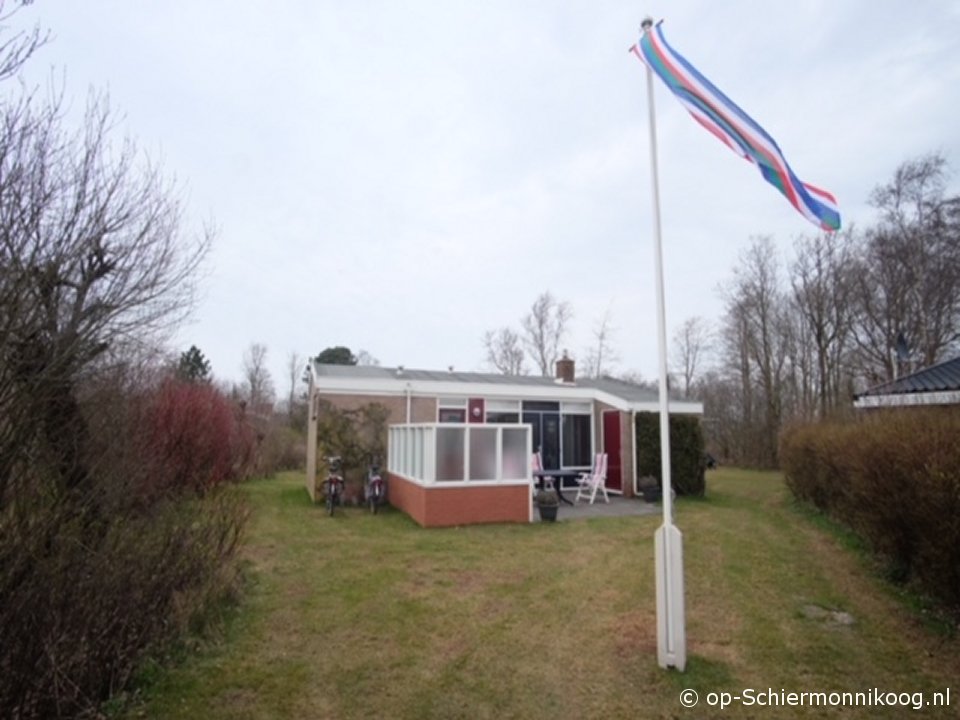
pixel 894 479
pixel 687 459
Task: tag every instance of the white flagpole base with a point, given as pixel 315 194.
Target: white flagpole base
pixel 671 620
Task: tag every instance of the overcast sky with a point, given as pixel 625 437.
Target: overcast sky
pixel 402 176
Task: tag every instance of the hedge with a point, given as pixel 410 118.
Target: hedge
pixel 687 459
pixel 893 477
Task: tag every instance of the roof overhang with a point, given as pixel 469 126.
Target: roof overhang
pixel 342 385
pixel 946 397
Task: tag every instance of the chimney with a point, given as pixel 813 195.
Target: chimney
pixel 565 372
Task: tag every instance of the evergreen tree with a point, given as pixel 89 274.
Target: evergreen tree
pixel 338 355
pixel 193 366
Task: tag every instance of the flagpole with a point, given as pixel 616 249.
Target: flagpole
pixel 668 541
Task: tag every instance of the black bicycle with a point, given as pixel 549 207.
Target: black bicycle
pixel 333 485
pixel 375 489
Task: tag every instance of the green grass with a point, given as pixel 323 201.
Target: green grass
pixel 362 616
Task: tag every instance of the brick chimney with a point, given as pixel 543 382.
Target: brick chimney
pixel 565 369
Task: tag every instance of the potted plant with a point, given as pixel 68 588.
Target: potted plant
pixel 649 488
pixel 547 502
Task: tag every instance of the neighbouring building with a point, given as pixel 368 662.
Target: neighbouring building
pixel 934 385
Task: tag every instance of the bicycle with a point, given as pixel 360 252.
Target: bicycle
pixel 333 485
pixel 375 489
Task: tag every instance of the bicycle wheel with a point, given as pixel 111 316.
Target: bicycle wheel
pixel 331 501
pixel 374 501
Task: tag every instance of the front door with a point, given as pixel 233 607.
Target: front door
pixel 545 435
pixel 611 446
pixel 550 441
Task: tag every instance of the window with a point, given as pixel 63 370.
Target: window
pixel 483 453
pixel 539 406
pixel 576 441
pixel 503 417
pixel 451 415
pixel 450 453
pixel 452 410
pixel 516 455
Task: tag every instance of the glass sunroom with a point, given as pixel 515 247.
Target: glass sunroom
pixel 459 473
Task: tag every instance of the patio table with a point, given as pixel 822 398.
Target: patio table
pixel 558 475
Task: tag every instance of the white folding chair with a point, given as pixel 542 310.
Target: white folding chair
pixel 595 480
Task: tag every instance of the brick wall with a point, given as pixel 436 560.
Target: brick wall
pixel 422 409
pixel 449 506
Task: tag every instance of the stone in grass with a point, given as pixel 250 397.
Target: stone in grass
pixel 837 617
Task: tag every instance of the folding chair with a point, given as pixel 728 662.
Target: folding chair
pixel 589 483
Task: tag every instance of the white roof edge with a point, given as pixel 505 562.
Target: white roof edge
pixel 681 407
pixel 401 385
pixel 340 385
pixel 948 397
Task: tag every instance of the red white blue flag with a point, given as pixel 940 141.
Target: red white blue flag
pixel 722 117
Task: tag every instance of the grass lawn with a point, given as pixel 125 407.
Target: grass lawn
pixel 362 616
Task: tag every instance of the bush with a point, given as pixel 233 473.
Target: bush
pixel 94 578
pixel 894 479
pixel 282 448
pixel 687 459
pixel 198 438
pixel 84 600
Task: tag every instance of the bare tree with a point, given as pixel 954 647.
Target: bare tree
pixel 295 369
pixel 93 264
pixel 601 355
pixel 544 329
pixel 16 50
pixel 757 337
pixel 504 352
pixel 365 358
pixel 257 382
pixel 909 269
pixel 690 344
pixel 823 287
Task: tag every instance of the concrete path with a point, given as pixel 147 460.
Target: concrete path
pixel 618 507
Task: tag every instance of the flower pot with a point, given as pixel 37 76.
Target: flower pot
pixel 548 513
pixel 651 494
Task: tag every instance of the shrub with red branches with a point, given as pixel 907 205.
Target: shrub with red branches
pixel 197 437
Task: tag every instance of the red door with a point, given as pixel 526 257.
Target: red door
pixel 611 446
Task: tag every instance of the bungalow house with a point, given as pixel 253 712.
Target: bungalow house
pixel 934 385
pixel 459 443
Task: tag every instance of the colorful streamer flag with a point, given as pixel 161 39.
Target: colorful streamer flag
pixel 722 117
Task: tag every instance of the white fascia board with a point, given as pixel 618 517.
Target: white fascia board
pixel 676 408
pixel 949 397
pixel 438 388
pixel 618 403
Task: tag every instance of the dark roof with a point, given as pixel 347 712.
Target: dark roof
pixel 623 389
pixel 619 388
pixel 944 376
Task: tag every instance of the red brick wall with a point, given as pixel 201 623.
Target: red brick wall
pixel 447 506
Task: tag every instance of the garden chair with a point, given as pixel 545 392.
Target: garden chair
pixel 590 483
